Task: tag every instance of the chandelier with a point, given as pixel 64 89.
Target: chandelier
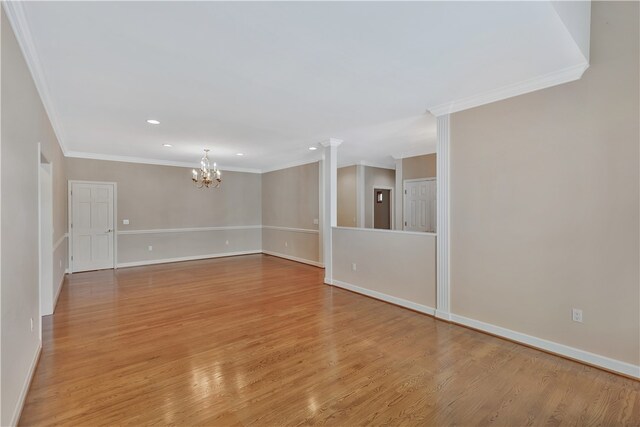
pixel 206 176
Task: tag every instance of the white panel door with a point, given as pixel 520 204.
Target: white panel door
pixel 420 205
pixel 92 226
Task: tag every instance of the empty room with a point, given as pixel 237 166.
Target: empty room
pixel 320 213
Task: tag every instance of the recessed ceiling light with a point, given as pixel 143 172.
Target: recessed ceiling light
pixel 239 154
pixel 313 148
pixel 153 122
pixel 167 145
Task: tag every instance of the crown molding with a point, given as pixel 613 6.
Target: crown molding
pixel 314 159
pixel 423 151
pixel 18 20
pixel 331 142
pixel 368 164
pixel 127 159
pixel 544 81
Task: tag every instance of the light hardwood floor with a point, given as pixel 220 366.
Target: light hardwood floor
pixel 258 340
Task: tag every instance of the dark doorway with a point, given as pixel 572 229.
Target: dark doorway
pixel 382 208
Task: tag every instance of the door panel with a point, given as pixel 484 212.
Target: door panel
pixel 420 205
pixel 92 226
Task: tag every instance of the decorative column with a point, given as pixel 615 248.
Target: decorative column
pixel 330 202
pixel 443 291
pixel 399 199
pixel 360 195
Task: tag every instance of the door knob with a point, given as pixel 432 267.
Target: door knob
pixel 109 230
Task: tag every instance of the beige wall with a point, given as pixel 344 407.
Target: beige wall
pixel 347 190
pixel 396 264
pixel 545 202
pixel 154 197
pixel 376 177
pixel 24 124
pixel 419 167
pixel 290 204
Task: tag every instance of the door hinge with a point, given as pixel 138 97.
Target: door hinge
pixel 71 257
pixel 71 225
pixel 405 223
pixel 405 191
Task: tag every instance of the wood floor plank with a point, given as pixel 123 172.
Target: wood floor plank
pixel 258 340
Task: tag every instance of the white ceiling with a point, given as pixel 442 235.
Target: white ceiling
pixel 271 79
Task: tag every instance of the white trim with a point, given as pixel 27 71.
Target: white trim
pixel 553 347
pixel 18 19
pixel 293 258
pixel 360 196
pixel 380 230
pixel 368 164
pixel 433 178
pixel 25 387
pixel 420 151
pixel 55 299
pixel 399 208
pixel 384 297
pixel 443 245
pixel 444 315
pixel 316 158
pixel 190 229
pixel 541 82
pixel 147 161
pixel 186 258
pixel 70 218
pixel 295 230
pixel 392 206
pixel 330 205
pixel 59 242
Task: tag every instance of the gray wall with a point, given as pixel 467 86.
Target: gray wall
pixel 24 124
pixel 290 204
pixel 545 202
pixel 163 199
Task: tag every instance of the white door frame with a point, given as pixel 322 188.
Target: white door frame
pixel 404 194
pixel 70 218
pixel 49 253
pixel 391 206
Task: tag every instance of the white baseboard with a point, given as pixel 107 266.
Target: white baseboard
pixel 55 299
pixel 384 297
pixel 293 258
pixel 186 258
pixel 560 349
pixel 25 387
pixel 444 315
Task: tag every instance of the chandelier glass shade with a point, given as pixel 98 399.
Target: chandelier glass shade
pixel 206 176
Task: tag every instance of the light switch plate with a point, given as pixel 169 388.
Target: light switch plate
pixel 125 222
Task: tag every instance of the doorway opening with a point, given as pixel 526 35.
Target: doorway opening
pixel 382 208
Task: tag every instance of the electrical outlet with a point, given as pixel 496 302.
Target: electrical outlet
pixel 60 262
pixel 315 221
pixel 353 267
pixel 150 248
pixel 32 324
pixel 125 222
pixel 286 244
pixel 576 314
pixel 226 243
